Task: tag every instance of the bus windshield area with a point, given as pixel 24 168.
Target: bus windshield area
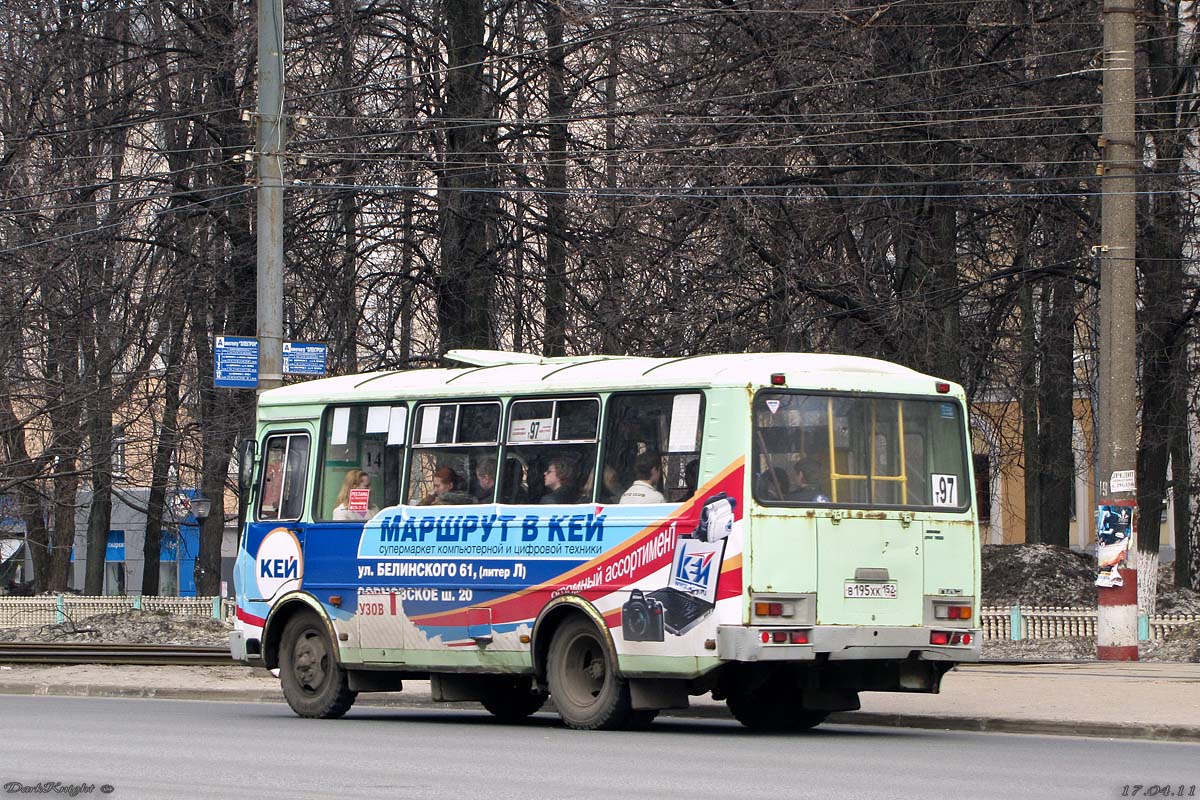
pixel 859 450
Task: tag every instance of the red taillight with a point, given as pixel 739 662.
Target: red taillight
pixel 943 388
pixel 939 637
pixel 966 638
pixel 785 637
pixel 778 379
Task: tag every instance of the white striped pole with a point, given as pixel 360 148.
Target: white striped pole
pixel 1116 619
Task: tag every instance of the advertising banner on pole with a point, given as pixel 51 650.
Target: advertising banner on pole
pixel 1114 532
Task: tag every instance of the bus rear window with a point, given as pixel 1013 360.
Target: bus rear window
pixel 859 450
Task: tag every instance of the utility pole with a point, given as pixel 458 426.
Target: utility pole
pixel 1116 629
pixel 270 194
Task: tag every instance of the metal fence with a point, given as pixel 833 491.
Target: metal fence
pixel 19 612
pixel 1039 622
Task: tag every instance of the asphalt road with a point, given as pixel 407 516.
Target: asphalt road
pixel 193 749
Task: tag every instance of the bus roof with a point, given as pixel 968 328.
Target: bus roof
pixel 489 372
pixel 493 372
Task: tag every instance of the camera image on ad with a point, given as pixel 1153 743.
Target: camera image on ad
pixel 642 618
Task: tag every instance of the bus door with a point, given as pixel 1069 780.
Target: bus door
pixel 274 540
pixel 358 478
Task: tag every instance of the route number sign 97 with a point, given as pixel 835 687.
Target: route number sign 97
pixel 945 490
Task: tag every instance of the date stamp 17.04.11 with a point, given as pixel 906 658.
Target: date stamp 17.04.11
pixel 1158 790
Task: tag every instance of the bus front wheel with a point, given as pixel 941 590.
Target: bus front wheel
pixel 582 673
pixel 314 683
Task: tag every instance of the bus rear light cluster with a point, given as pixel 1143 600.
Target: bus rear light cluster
pixel 949 637
pixel 762 609
pixel 952 612
pixel 784 637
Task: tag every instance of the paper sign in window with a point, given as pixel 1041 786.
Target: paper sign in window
pixel 341 426
pixel 685 421
pixel 360 500
pixel 429 424
pixel 531 430
pixel 944 489
pixel 397 423
pixel 377 419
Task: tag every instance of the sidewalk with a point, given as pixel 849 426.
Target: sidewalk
pixel 1122 700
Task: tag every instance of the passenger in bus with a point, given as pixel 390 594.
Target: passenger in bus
pixel 691 477
pixel 355 479
pixel 773 484
pixel 485 479
pixel 513 489
pixel 647 469
pixel 804 486
pixel 561 479
pixel 446 491
pixel 613 488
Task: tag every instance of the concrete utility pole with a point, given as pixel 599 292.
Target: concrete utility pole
pixel 270 194
pixel 1116 630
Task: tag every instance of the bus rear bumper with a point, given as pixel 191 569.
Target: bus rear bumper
pixel 841 643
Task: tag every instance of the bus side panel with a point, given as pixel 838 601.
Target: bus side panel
pixel 453 585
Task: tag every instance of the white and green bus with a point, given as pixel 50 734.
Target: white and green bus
pixel 783 531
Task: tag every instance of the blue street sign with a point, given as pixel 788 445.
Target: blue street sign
pixel 235 362
pixel 304 358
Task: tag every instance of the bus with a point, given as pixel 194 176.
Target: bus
pixel 782 531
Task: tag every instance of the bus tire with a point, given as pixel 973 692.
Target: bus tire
pixel 763 710
pixel 314 683
pixel 582 672
pixel 512 699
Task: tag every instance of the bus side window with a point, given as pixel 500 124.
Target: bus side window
pixel 667 425
pixel 453 459
pixel 284 477
pixel 361 448
pixel 551 453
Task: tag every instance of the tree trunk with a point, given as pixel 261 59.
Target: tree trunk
pixel 164 449
pixel 554 343
pixel 1056 380
pixel 1029 415
pixel 464 286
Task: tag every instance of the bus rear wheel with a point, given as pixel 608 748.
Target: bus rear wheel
pixel 512 699
pixel 582 673
pixel 771 707
pixel 314 683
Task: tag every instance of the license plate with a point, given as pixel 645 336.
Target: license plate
pixel 883 591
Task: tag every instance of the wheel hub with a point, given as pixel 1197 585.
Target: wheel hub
pixel 310 662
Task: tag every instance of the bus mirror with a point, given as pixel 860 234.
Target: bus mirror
pixel 246 466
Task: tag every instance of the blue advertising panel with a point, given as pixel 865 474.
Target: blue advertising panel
pixel 114 549
pixel 235 362
pixel 304 358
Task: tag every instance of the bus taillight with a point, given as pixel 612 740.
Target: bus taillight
pixel 946 637
pixel 951 612
pixel 785 637
pixel 763 609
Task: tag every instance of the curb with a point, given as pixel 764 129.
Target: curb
pixel 708 710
